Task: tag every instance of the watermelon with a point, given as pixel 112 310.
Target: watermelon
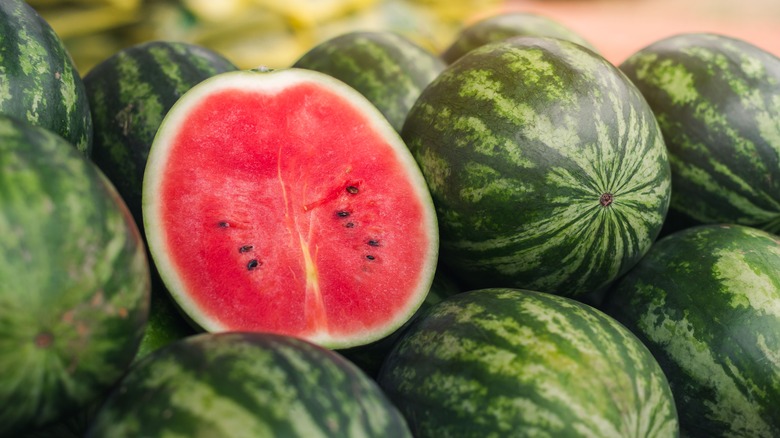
pixel 74 279
pixel 510 362
pixel 717 100
pixel 546 166
pixel 283 201
pixel 246 384
pixel 389 69
pixel 39 83
pixel 706 302
pixel 504 25
pixel 130 93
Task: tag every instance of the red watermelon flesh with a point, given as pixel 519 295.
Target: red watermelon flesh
pixel 284 202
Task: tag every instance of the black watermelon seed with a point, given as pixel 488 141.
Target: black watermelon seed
pixel 373 243
pixel 252 264
pixel 223 224
pixel 245 248
pixel 352 190
pixel 342 213
pixel 370 257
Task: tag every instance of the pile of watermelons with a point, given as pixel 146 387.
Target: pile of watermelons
pixel 512 238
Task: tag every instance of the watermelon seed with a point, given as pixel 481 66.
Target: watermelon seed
pixel 349 225
pixel 223 224
pixel 342 213
pixel 606 199
pixel 253 264
pixel 373 243
pixel 352 190
pixel 245 248
pixel 370 257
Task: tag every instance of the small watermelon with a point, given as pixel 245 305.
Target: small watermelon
pixel 252 385
pixel 510 362
pixel 546 166
pixel 38 80
pixel 717 100
pixel 387 68
pixel 74 279
pixel 284 201
pixel 506 25
pixel 130 93
pixel 706 302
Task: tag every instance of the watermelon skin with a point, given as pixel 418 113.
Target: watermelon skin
pixel 130 93
pixel 246 385
pixel 500 362
pixel 308 218
pixel 387 68
pixel 546 166
pixel 74 279
pixel 706 302
pixel 717 100
pixel 506 25
pixel 38 81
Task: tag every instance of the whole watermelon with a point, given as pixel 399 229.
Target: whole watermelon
pixel 509 362
pixel 546 166
pixel 74 280
pixel 130 93
pixel 717 100
pixel 505 25
pixel 38 80
pixel 246 384
pixel 387 68
pixel 706 302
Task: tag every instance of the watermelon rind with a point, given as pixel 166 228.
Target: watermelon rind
pixel 509 362
pixel 39 82
pixel 252 385
pixel 546 166
pixel 272 81
pixel 74 280
pixel 717 101
pixel 706 302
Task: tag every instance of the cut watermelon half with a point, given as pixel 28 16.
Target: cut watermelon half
pixel 284 202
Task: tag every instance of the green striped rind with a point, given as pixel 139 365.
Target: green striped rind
pixel 74 279
pixel 717 100
pixel 506 25
pixel 38 81
pixel 130 93
pixel 706 301
pixel 387 68
pixel 508 362
pixel 247 385
pixel 518 141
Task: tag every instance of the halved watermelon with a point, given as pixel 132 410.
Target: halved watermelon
pixel 284 202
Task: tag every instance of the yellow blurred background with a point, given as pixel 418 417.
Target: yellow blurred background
pixel 275 33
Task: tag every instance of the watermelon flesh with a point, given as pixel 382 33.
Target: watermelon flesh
pixel 284 202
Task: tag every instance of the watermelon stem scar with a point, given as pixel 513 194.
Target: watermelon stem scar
pixel 606 199
pixel 44 340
